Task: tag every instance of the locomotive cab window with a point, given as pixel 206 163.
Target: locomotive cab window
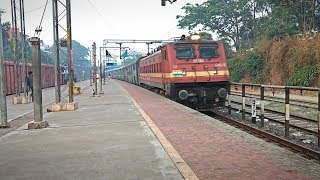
pixel 208 52
pixel 185 52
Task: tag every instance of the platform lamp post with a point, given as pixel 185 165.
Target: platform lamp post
pixel 3 100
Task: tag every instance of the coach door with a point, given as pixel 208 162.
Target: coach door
pixel 162 64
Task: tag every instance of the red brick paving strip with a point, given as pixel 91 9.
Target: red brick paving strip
pixel 210 152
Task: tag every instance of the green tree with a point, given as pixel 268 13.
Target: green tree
pixel 224 17
pixel 236 67
pixel 280 18
pixel 244 21
pixel 8 55
pixel 305 76
pixel 206 36
pixel 254 66
pixel 8 46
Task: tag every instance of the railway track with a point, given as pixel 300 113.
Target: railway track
pixel 297 124
pixel 259 132
pixel 300 123
pixel 281 100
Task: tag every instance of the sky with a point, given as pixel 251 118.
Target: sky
pixel 95 20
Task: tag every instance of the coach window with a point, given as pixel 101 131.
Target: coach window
pixel 208 52
pixel 185 52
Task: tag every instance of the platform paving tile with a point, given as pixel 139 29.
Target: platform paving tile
pixel 215 150
pixel 106 138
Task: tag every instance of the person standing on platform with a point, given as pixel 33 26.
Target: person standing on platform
pixel 30 83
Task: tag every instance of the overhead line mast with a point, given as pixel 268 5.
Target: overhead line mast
pixel 19 49
pixel 61 14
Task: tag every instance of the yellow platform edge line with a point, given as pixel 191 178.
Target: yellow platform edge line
pixel 182 166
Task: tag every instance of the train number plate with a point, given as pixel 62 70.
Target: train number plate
pixel 198 61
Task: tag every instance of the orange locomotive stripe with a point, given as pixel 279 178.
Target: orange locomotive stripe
pixel 189 74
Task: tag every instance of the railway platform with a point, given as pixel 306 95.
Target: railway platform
pixel 132 133
pixel 18 110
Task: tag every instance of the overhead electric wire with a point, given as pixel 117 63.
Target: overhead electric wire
pixel 96 9
pixel 39 28
pixel 35 9
pixel 175 27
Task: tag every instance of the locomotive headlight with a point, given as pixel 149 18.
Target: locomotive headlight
pixel 215 70
pixel 184 72
pixel 195 37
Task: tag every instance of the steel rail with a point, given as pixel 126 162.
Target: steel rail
pixel 280 122
pixel 269 136
pixel 293 116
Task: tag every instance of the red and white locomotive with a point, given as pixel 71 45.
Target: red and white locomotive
pixel 193 72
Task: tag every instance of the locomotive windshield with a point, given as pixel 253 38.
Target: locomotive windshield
pixel 208 52
pixel 185 52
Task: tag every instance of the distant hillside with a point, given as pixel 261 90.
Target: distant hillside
pixel 288 61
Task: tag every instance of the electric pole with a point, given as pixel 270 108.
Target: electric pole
pixel 36 71
pixel 69 40
pixel 3 100
pixel 38 122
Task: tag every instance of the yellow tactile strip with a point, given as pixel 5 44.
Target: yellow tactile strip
pixel 182 166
